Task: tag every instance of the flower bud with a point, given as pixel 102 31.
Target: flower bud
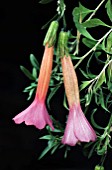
pixel 62 48
pixel 50 37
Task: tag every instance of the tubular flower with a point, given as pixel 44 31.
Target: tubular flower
pixel 77 127
pixel 36 114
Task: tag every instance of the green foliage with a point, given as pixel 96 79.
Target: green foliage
pixel 108 7
pixel 79 13
pixel 27 73
pixel 91 43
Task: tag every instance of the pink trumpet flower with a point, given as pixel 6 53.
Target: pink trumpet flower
pixel 36 114
pixel 77 127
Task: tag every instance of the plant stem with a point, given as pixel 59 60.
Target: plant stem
pixel 96 10
pixel 98 76
pixel 93 49
pixel 78 33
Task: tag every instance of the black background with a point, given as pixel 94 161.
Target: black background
pixel 21 35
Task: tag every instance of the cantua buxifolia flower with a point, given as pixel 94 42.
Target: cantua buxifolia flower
pixel 77 128
pixel 36 114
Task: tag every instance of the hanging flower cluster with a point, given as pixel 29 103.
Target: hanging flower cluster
pixel 60 49
pixel 77 127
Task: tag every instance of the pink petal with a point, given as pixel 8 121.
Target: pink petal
pixel 69 137
pixel 36 114
pixel 83 130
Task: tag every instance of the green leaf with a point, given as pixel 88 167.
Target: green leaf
pixel 45 1
pixel 88 98
pixel 65 102
pixel 34 72
pixel 91 43
pixel 102 151
pixel 45 151
pixel 34 61
pixel 84 74
pixel 27 73
pixel 75 57
pixel 30 93
pixel 99 99
pixel 93 121
pixel 108 7
pixel 55 148
pixel 84 84
pixel 94 23
pixel 83 30
pixel 97 55
pixel 76 16
pixel 92 150
pixel 81 11
pixel 109 43
pixel 66 151
pixel 27 89
pixel 46 137
pixel 100 81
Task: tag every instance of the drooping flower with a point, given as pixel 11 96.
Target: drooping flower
pixel 36 114
pixel 77 128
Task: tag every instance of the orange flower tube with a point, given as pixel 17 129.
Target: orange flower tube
pixel 45 73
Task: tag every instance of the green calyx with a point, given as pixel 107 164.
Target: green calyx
pixel 50 37
pixel 97 167
pixel 62 47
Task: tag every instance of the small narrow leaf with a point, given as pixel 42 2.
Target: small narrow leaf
pixel 88 98
pixel 34 72
pixel 55 148
pixel 100 81
pixel 30 94
pixel 47 137
pixel 27 73
pixel 45 151
pixel 34 61
pixel 45 1
pixel 84 74
pixel 97 55
pixel 93 121
pixel 92 150
pixel 65 102
pixel 84 84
